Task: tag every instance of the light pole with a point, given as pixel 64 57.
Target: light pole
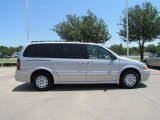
pixel 27 21
pixel 127 30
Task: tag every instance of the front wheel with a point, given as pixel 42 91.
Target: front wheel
pixel 129 79
pixel 42 81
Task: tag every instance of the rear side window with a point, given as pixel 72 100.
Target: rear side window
pixel 74 51
pixel 39 50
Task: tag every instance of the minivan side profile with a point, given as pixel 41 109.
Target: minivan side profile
pixel 44 64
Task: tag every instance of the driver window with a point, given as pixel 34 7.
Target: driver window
pixel 97 52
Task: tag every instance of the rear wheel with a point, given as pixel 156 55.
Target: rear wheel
pixel 42 81
pixel 129 79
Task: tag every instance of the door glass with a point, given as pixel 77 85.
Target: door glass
pixel 39 50
pixel 97 52
pixel 72 51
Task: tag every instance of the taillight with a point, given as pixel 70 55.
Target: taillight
pixel 18 64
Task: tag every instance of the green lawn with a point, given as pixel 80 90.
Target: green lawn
pixel 8 60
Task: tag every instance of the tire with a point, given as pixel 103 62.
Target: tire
pixel 129 79
pixel 42 81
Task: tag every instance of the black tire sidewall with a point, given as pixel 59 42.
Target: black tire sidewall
pixel 50 83
pixel 123 84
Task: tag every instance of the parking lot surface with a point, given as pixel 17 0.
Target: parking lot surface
pixel 19 101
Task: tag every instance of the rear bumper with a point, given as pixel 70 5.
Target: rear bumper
pixel 22 75
pixel 145 75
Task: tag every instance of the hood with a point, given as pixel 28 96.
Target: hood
pixel 130 60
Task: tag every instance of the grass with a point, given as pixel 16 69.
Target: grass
pixel 8 60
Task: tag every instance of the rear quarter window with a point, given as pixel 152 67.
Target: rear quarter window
pixel 39 50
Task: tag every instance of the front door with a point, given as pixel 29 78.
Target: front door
pixel 153 60
pixel 100 66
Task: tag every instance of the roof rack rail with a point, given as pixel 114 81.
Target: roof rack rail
pixel 45 41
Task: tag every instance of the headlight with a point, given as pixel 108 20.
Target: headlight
pixel 144 67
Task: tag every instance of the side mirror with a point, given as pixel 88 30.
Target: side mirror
pixel 112 57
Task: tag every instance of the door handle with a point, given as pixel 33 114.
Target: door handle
pixel 80 62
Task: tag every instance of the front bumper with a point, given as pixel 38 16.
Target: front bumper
pixel 145 75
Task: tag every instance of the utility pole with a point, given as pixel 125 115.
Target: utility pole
pixel 127 30
pixel 27 21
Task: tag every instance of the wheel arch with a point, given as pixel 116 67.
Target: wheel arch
pixel 130 68
pixel 38 71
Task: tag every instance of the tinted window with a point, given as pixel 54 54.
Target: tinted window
pixel 39 50
pixel 69 51
pixel 97 52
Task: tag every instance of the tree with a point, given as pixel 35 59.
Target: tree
pixel 84 29
pixel 158 47
pixel 69 30
pixel 119 49
pixel 9 50
pixel 134 50
pixel 151 48
pixel 144 25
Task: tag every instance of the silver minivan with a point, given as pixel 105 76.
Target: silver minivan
pixel 44 64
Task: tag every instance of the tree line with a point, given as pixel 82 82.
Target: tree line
pixel 8 51
pixel 143 21
pixel 119 49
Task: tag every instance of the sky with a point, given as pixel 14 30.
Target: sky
pixel 44 14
